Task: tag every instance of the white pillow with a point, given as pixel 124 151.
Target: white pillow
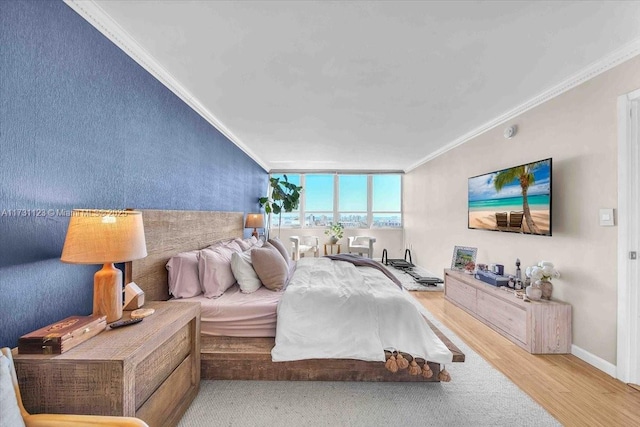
pixel 244 273
pixel 9 410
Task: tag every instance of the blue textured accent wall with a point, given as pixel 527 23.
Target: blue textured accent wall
pixel 84 126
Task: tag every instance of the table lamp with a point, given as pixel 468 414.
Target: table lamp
pixel 105 237
pixel 255 221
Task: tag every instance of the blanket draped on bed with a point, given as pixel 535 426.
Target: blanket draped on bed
pixel 335 310
pixel 365 262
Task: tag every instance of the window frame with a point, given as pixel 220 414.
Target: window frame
pixel 302 210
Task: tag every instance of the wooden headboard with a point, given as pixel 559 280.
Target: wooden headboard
pixel 169 232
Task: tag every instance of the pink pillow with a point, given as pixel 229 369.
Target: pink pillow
pixel 277 243
pixel 234 246
pixel 251 240
pixel 182 269
pixel 230 243
pixel 245 246
pixel 215 272
pixel 270 267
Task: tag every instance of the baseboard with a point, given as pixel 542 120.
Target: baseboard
pixel 593 360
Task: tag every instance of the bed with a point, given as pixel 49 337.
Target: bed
pixel 248 358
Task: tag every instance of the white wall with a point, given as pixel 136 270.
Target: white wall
pixel 578 130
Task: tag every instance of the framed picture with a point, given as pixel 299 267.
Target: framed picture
pixel 463 256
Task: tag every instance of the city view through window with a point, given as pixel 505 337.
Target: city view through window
pixel 356 201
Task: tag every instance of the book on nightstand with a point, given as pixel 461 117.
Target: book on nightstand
pixel 61 336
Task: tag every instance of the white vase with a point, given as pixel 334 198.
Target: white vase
pixel 534 293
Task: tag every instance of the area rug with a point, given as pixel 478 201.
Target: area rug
pixel 478 395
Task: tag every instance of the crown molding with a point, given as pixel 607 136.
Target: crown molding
pixel 617 57
pixel 102 22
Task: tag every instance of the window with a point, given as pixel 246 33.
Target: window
pixel 357 201
pixel 318 200
pixel 387 201
pixel 352 201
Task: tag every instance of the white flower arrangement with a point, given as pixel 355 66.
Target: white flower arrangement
pixel 545 271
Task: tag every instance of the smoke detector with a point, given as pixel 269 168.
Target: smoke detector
pixel 510 131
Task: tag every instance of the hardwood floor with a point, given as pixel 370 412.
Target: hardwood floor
pixel 574 392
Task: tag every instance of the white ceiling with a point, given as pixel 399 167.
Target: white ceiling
pixel 367 85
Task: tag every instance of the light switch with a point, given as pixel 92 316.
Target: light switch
pixel 606 217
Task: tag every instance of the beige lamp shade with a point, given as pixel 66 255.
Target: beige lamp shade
pixel 254 220
pixel 104 236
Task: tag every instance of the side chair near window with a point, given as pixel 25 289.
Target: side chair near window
pixel 13 414
pixel 362 245
pixel 303 244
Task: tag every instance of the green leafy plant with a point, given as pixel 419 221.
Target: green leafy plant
pixel 335 230
pixel 284 196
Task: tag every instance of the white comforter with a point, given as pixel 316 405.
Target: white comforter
pixel 335 310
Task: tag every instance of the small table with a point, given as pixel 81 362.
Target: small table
pixel 331 246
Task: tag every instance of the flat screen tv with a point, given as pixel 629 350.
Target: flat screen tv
pixel 517 199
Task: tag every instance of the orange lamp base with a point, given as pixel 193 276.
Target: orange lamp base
pixel 107 293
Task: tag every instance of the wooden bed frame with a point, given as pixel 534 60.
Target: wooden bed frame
pixel 168 232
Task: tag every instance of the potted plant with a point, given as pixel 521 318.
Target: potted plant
pixel 335 232
pixel 283 196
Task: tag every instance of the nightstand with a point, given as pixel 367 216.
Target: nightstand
pixel 150 370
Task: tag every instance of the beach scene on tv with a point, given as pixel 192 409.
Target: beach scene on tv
pixel 517 199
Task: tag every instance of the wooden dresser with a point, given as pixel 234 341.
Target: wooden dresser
pixel 150 370
pixel 540 327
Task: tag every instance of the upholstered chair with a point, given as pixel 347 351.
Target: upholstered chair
pixel 362 245
pixel 303 244
pixel 13 414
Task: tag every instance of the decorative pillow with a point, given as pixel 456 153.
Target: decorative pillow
pixel 277 243
pixel 184 279
pixel 9 410
pixel 270 267
pixel 244 273
pixel 214 267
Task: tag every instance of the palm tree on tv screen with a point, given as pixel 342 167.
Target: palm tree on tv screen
pixel 524 174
